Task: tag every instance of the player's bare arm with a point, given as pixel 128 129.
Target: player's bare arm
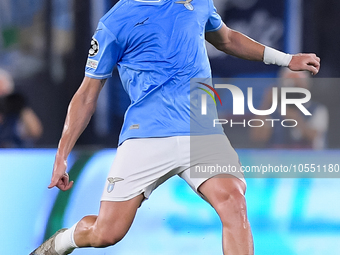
pixel 80 111
pixel 237 44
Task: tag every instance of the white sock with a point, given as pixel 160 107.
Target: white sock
pixel 64 242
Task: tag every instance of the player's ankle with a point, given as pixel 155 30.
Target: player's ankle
pixel 64 242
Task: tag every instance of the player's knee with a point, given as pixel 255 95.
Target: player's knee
pixel 231 208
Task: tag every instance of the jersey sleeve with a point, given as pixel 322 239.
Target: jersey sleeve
pixel 214 22
pixel 104 53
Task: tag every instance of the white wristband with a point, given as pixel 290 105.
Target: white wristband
pixel 275 57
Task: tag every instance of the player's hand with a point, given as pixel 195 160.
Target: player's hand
pixel 60 178
pixel 305 62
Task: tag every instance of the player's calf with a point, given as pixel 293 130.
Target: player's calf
pixel 99 233
pixel 102 240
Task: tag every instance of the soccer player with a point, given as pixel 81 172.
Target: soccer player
pixel 158 46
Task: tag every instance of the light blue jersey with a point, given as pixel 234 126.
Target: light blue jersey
pixel 158 46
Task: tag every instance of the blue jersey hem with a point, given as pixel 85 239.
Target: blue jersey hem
pixel 215 29
pixel 124 138
pixel 98 76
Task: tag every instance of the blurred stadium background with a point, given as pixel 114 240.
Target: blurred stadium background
pixel 44 46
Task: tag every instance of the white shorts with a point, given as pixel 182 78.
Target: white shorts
pixel 142 164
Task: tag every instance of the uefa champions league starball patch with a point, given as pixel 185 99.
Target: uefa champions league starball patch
pixel 94 48
pixel 112 182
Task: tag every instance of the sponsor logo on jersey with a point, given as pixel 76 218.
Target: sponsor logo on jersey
pixel 92 63
pixel 187 4
pixel 94 48
pixel 142 23
pixel 112 181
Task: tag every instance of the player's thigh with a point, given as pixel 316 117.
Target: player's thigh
pixel 138 166
pixel 213 152
pixel 116 217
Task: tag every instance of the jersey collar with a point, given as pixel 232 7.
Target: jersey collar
pixel 148 1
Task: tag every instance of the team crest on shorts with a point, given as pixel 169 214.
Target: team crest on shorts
pixel 94 48
pixel 112 182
